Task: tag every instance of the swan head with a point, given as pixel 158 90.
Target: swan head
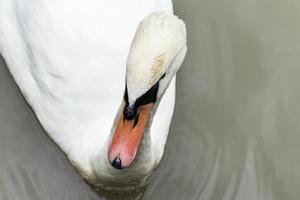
pixel 156 53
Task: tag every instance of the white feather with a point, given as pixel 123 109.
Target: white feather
pixel 159 38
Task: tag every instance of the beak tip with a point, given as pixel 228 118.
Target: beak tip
pixel 117 163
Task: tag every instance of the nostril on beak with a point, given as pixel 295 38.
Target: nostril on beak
pixel 117 163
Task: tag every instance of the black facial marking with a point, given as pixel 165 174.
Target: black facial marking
pixel 149 97
pixel 136 120
pixel 130 111
pixel 126 95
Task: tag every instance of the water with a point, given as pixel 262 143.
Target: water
pixel 235 133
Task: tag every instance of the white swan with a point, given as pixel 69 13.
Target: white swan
pixel 69 61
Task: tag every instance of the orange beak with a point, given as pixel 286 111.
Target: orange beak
pixel 127 137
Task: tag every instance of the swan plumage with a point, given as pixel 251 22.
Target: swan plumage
pixel 70 62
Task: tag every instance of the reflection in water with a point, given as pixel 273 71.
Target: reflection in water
pixel 114 195
pixel 235 134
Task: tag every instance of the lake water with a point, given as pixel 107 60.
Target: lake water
pixel 236 128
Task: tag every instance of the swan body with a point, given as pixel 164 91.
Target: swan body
pixel 72 62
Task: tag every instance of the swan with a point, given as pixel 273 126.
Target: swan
pixel 100 77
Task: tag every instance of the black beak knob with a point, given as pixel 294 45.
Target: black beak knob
pixel 117 163
pixel 130 112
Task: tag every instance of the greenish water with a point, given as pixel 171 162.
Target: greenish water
pixel 236 128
